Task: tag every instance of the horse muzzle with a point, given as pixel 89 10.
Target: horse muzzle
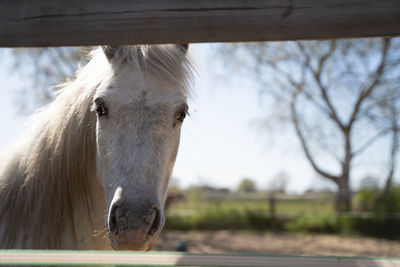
pixel 133 228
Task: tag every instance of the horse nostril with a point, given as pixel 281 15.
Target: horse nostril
pixel 112 222
pixel 127 224
pixel 156 222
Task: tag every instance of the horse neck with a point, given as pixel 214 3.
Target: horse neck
pixel 54 181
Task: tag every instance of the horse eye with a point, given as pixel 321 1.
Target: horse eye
pixel 101 110
pixel 180 116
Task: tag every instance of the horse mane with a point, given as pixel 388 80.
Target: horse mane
pixel 53 168
pixel 169 61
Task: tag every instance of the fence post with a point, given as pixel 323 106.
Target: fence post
pixel 272 210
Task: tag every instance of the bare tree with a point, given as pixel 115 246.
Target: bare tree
pixel 341 97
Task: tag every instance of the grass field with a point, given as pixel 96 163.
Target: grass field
pixel 284 205
pixel 310 213
pixel 249 211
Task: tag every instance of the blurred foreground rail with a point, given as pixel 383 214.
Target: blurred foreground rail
pixel 29 257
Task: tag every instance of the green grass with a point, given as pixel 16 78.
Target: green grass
pixel 316 215
pixel 291 207
pixel 241 212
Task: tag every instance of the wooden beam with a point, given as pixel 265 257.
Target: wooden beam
pixel 93 22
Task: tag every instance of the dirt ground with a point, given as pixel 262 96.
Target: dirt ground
pixel 270 243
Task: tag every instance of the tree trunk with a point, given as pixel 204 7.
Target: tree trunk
pixel 344 196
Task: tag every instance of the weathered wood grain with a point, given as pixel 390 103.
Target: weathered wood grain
pixel 92 22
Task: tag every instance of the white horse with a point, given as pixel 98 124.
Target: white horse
pixel 103 149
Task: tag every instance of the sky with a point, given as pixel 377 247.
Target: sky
pixel 222 141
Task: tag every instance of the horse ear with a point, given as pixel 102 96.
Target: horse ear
pixel 183 47
pixel 109 51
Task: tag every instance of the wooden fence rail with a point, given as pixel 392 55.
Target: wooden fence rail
pixel 15 257
pixel 93 22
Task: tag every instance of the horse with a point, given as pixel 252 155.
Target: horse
pixel 103 150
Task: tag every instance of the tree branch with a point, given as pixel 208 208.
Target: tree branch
pixel 317 77
pixel 367 92
pixel 304 143
pixel 287 76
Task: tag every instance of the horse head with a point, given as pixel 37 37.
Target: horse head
pixel 140 108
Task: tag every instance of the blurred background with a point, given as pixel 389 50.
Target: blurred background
pixel 290 147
